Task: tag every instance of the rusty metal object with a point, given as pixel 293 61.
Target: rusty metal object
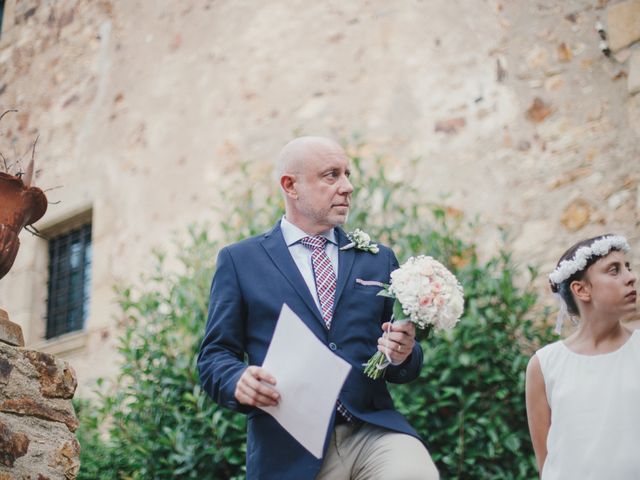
pixel 20 205
pixel 9 244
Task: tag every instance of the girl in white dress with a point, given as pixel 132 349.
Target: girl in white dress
pixel 583 393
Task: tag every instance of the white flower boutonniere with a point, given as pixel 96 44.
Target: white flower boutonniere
pixel 361 241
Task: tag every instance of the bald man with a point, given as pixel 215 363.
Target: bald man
pixel 301 262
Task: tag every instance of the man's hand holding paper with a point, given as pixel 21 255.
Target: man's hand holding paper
pixel 255 388
pixel 309 377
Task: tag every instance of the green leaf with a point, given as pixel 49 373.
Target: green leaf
pixel 398 314
pixel 385 293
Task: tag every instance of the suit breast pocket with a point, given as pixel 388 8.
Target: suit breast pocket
pixel 368 287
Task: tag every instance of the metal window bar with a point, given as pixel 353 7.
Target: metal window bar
pixel 1 15
pixel 69 281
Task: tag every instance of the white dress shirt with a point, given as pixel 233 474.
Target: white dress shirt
pixel 302 255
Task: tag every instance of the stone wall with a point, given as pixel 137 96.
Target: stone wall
pixel 37 419
pixel 508 109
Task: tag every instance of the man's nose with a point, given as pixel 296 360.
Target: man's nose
pixel 632 277
pixel 346 187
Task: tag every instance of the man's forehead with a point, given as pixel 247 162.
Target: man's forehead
pixel 312 153
pixel 328 156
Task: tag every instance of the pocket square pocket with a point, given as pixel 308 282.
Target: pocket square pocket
pixel 369 283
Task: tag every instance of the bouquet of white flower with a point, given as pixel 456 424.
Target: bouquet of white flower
pixel 425 293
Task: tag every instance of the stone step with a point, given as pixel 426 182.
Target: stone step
pixel 10 333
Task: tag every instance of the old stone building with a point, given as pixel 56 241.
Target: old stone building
pixel 524 112
pixel 37 419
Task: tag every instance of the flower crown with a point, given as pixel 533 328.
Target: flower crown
pixel 578 262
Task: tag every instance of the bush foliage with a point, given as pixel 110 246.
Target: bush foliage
pixel 154 421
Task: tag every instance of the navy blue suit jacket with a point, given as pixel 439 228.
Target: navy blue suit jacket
pixel 253 279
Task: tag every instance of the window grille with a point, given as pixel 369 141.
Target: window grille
pixel 69 281
pixel 1 15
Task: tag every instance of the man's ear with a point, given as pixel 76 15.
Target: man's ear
pixel 288 184
pixel 581 290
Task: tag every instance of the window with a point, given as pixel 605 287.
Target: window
pixel 69 281
pixel 1 14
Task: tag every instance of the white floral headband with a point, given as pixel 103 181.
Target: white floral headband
pixel 578 262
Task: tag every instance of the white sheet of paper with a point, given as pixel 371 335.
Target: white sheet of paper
pixel 308 377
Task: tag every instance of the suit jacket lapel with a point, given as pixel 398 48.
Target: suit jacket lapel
pixel 345 262
pixel 277 249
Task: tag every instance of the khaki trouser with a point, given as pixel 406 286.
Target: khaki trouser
pixel 367 452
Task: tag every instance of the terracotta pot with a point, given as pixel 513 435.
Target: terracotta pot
pixel 20 205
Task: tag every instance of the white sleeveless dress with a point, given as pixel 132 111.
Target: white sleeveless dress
pixel 595 412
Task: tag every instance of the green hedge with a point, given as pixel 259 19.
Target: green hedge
pixel 154 421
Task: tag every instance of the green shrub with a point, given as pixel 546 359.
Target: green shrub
pixel 95 456
pixel 154 421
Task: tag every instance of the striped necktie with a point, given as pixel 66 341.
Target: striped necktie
pixel 326 288
pixel 324 275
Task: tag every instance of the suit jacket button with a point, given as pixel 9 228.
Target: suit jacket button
pixel 333 346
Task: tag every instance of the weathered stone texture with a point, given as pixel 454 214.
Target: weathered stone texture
pixel 10 332
pixel 53 411
pixel 66 458
pixel 25 9
pixel 53 451
pixel 623 22
pixel 633 112
pixel 37 419
pixel 633 81
pixel 57 379
pixel 12 445
pixel 5 370
pixel 576 215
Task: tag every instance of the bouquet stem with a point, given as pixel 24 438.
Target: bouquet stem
pixel 374 368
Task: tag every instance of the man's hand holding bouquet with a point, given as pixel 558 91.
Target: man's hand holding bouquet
pixel 426 294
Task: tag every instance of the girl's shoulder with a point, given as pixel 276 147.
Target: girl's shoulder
pixel 550 349
pixel 549 354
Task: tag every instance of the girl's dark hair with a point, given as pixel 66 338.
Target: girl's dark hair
pixel 563 288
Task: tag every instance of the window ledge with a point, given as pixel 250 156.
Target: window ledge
pixel 63 344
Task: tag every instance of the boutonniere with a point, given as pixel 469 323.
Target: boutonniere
pixel 361 241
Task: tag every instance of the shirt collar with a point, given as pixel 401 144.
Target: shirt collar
pixel 293 234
